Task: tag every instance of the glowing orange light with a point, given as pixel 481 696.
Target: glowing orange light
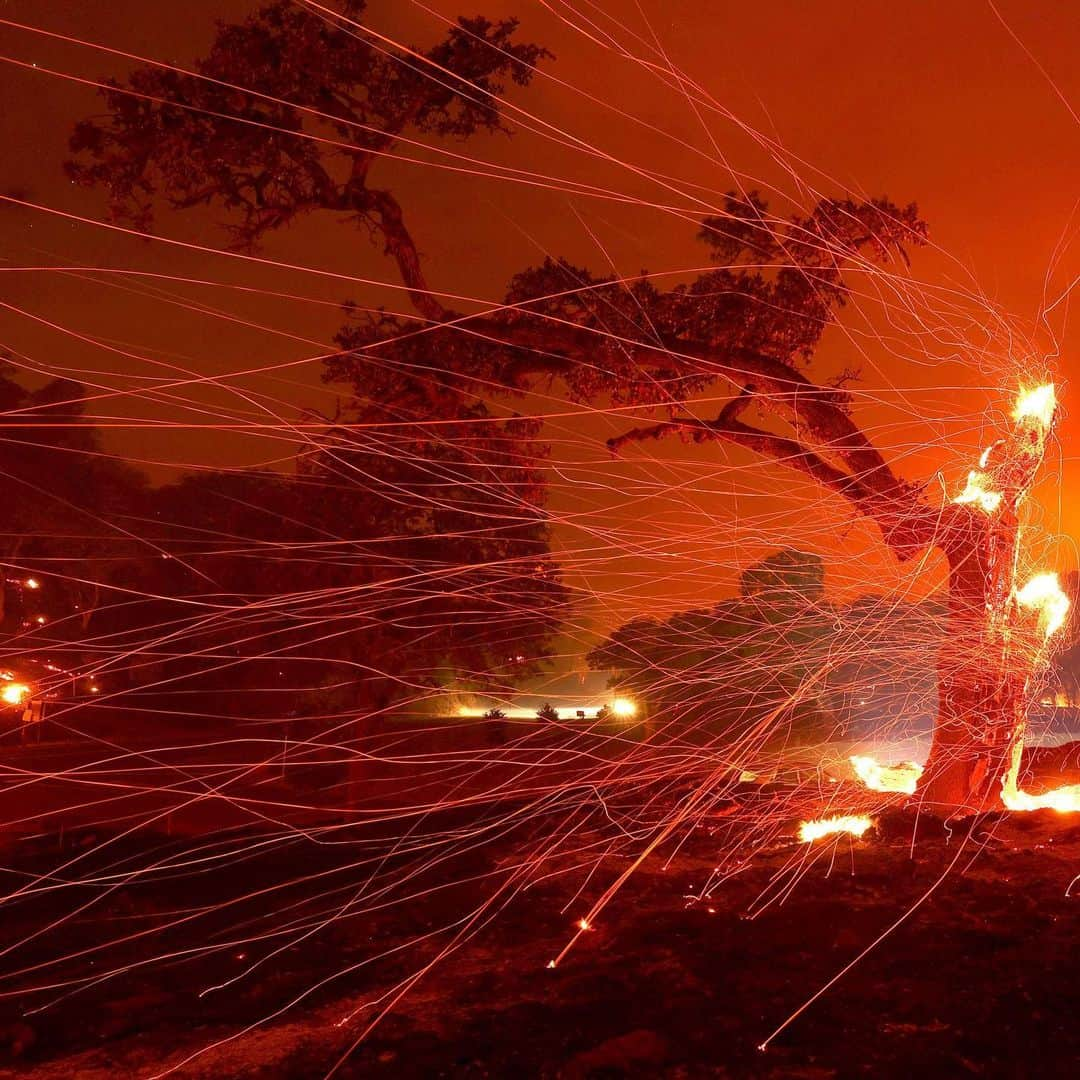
pixel 855 824
pixel 32 583
pixel 1064 800
pixel 623 707
pixel 978 492
pixel 14 693
pixel 901 778
pixel 1043 594
pixel 1060 700
pixel 583 924
pixel 1036 405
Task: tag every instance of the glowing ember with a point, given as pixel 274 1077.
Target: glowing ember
pixel 14 693
pixel 901 778
pixel 856 825
pixel 978 492
pixel 1036 405
pixel 1043 594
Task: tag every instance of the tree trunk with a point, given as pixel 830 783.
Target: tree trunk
pixel 981 675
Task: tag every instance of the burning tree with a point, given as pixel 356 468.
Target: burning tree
pixel 292 113
pixel 995 646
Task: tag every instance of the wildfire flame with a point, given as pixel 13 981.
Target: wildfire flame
pixel 978 492
pixel 1033 407
pixel 902 778
pixel 1036 405
pixel 856 825
pixel 1043 593
pixel 14 693
pixel 1064 800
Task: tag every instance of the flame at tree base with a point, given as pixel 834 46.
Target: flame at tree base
pixel 1046 602
pixel 904 778
pixel 1065 800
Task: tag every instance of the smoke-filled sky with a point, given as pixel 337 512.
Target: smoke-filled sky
pixel 965 107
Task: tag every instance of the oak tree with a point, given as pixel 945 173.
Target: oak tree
pixel 291 114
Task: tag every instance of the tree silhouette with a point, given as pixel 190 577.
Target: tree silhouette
pixel 547 712
pixel 68 503
pixel 782 649
pixel 290 114
pixel 318 584
pixel 719 670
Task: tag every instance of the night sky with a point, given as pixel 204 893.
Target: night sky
pixel 924 101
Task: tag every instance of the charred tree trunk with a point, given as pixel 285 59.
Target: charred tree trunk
pixel 981 679
pixel 987 659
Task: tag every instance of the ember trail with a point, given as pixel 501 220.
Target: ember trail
pixel 433 643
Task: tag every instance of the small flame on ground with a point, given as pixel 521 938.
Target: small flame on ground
pixel 1043 593
pixel 978 492
pixel 14 693
pixel 1037 404
pixel 901 778
pixel 856 825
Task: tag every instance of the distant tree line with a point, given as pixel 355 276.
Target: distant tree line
pixel 781 663
pixel 368 573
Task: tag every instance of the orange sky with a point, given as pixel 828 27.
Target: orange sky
pixel 934 102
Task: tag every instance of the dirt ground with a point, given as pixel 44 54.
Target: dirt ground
pixel 979 979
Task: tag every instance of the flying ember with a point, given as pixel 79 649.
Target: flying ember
pixel 403 590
